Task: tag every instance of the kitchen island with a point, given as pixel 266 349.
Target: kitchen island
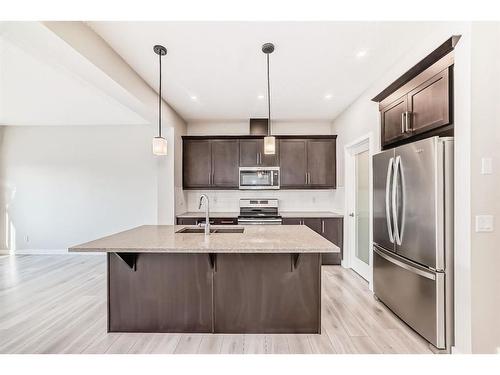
pixel 239 279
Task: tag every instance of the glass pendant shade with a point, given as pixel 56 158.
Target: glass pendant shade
pixel 269 145
pixel 159 146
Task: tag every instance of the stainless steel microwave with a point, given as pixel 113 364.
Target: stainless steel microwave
pixel 263 178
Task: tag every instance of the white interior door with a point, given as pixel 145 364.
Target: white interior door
pixel 358 207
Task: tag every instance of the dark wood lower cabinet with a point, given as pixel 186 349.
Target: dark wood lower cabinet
pixel 330 228
pixel 165 293
pixel 214 221
pixel 220 293
pixel 314 224
pixel 333 230
pixel 266 293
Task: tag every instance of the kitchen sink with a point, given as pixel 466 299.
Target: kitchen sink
pixel 229 230
pixel 212 230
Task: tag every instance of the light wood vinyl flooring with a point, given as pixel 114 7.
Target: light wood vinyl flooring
pixel 57 304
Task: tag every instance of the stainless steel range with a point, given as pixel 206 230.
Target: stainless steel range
pixel 259 211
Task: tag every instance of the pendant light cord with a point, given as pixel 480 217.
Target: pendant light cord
pixel 268 98
pixel 159 102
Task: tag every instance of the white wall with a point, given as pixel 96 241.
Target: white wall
pixel 289 200
pixel 296 200
pixel 243 127
pixel 66 185
pixel 485 141
pixel 90 45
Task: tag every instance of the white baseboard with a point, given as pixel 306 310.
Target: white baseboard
pixel 45 252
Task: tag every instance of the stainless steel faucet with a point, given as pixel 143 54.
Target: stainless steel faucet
pixel 207 212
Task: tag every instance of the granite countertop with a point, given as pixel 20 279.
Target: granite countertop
pixel 306 214
pixel 213 215
pixel 285 214
pixel 254 239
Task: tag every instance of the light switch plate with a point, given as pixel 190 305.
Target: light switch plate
pixel 486 166
pixel 484 223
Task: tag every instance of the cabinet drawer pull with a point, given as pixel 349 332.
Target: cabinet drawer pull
pixel 227 221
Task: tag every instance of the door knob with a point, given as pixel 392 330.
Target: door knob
pixel 351 214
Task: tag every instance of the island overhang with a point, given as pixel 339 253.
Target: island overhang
pixel 254 239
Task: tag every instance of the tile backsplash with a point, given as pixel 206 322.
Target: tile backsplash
pixel 289 200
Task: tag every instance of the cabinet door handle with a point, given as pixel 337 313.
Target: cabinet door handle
pixel 403 114
pixel 407 122
pixel 210 178
pixel 306 178
pixel 260 158
pixel 322 226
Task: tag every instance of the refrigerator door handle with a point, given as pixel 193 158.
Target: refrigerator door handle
pixel 388 199
pixel 394 201
pixel 403 197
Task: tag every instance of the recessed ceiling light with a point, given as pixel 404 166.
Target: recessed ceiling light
pixel 194 97
pixel 361 53
pixel 260 97
pixel 328 96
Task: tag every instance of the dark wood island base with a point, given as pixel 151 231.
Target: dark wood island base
pixel 214 292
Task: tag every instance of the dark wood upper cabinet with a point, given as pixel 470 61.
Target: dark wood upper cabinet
pixel 197 163
pixel 429 104
pixel 252 154
pixel 419 104
pixel 321 163
pixel 270 160
pixel 306 162
pixel 293 163
pixel 392 120
pixel 250 150
pixel 210 164
pixel 225 162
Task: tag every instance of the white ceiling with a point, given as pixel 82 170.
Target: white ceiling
pixel 43 81
pixel 221 63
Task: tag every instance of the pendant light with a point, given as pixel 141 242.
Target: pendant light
pixel 269 140
pixel 159 143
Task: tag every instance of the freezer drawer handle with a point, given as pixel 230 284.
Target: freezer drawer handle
pixel 428 275
pixel 388 199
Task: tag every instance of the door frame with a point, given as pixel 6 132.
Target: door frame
pixel 363 143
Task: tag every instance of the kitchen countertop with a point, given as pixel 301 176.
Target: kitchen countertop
pixel 255 239
pixel 312 214
pixel 213 215
pixel 285 214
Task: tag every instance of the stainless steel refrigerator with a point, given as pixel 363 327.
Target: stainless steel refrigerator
pixel 413 236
